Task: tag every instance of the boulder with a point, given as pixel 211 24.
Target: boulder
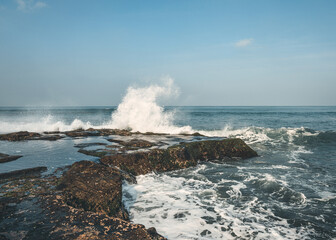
pixel 180 156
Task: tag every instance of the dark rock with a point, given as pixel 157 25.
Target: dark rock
pixel 205 232
pixel 95 153
pixel 34 208
pixel 49 137
pixel 196 134
pixel 82 133
pixel 52 132
pixel 134 143
pixel 151 133
pixel 7 158
pixel 97 132
pixel 72 223
pixel 84 145
pixel 19 136
pixel 24 136
pixel 180 156
pixel 94 187
pixel 36 171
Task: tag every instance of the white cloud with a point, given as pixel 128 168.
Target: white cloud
pixel 29 5
pixel 244 42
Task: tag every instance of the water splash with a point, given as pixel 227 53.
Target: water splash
pixel 140 111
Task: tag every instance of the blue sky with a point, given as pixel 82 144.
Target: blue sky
pixel 228 52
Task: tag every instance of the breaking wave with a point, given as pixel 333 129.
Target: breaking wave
pixel 139 110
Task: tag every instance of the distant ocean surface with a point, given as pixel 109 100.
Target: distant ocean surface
pixel 289 192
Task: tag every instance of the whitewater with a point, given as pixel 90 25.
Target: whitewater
pixel 286 193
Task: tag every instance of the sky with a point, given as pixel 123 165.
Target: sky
pixel 225 52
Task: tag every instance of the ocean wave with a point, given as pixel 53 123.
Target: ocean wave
pixel 140 111
pixel 197 210
pixel 41 124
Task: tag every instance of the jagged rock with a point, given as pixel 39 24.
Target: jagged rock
pixel 180 156
pixel 8 158
pixel 94 187
pixel 36 171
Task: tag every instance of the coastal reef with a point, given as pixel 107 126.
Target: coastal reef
pixel 84 200
pixel 179 156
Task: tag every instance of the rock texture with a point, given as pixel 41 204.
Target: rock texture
pixel 8 158
pixel 24 172
pixel 24 136
pixel 33 208
pixel 97 132
pixel 180 156
pixel 134 143
pixel 94 187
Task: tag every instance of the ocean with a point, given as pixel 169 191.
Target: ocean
pixel 288 192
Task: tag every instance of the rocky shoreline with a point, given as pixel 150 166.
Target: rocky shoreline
pixel 84 200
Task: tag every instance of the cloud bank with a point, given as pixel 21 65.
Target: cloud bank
pixel 29 5
pixel 244 42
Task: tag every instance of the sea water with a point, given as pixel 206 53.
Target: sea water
pixel 287 193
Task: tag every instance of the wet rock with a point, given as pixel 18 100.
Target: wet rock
pixel 34 209
pixel 180 156
pixel 24 136
pixel 97 132
pixel 72 223
pixel 36 171
pixel 52 132
pixel 84 145
pixel 19 136
pixel 94 187
pixel 7 158
pixel 134 143
pixel 95 153
pixel 49 137
pixel 205 232
pixel 196 134
pixel 82 133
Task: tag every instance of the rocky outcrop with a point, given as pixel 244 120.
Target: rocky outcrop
pixel 8 158
pixel 36 171
pixel 24 136
pixel 84 145
pixel 134 143
pixel 94 187
pixel 180 156
pixel 34 208
pixel 97 132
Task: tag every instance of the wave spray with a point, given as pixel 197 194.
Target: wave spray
pixel 140 111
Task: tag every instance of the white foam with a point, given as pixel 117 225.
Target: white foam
pixel 193 207
pixel 140 111
pixel 48 123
